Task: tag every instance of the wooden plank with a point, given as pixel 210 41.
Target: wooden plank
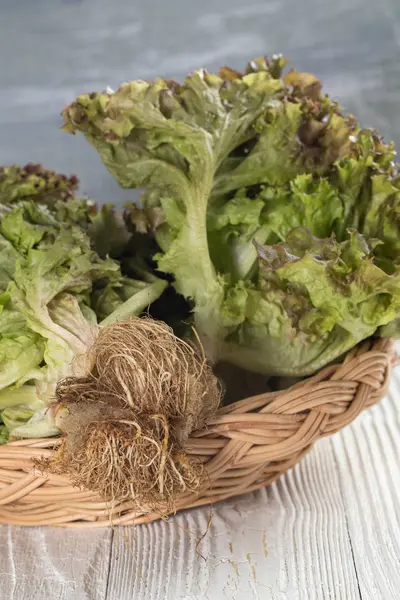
pixel 289 541
pixel 53 564
pixel 368 462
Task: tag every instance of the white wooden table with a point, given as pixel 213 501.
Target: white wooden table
pixel 329 529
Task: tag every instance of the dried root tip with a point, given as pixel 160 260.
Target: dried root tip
pixel 126 422
pixel 122 456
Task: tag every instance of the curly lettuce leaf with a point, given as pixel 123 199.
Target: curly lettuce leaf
pixel 21 350
pixel 33 181
pixel 22 234
pixel 316 299
pixel 67 265
pixel 361 192
pixel 268 216
pixel 48 199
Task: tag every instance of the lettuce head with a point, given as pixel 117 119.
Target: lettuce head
pixel 276 215
pixel 55 292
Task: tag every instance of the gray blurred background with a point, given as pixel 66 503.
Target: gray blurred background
pixel 52 50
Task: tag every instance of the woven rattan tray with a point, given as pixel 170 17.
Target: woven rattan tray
pixel 246 446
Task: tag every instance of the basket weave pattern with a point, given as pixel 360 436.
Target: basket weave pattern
pixel 244 447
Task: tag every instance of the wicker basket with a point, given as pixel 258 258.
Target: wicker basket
pixel 246 446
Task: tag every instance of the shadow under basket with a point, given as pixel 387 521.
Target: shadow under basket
pixel 247 445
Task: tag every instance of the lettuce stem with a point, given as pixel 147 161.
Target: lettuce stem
pixel 137 303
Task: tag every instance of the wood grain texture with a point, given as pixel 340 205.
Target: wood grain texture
pixel 329 529
pixel 52 564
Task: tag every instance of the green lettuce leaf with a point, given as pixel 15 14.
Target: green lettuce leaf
pixel 21 350
pixel 8 257
pixel 15 417
pixel 316 299
pixel 4 434
pixel 41 424
pixel 14 396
